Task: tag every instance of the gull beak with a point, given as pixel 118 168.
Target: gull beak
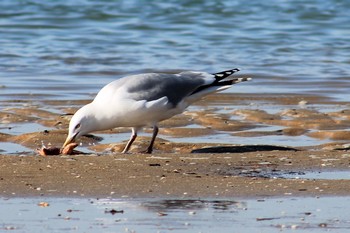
pixel 69 140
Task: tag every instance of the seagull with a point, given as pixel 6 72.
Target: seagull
pixel 142 100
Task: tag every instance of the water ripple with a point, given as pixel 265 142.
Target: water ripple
pixel 298 40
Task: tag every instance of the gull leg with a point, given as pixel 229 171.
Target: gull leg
pixel 131 140
pixel 150 147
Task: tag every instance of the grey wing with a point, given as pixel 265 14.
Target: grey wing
pixel 155 86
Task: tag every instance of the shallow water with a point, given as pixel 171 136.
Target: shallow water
pixel 178 215
pixel 324 175
pixel 292 174
pixel 12 148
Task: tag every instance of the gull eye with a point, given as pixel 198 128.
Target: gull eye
pixel 77 127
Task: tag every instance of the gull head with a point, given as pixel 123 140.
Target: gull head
pixel 82 122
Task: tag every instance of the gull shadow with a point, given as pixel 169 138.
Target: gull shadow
pixel 242 149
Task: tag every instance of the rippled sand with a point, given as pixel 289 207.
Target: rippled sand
pixel 283 120
pixel 204 146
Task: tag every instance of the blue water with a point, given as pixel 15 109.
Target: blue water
pixel 70 49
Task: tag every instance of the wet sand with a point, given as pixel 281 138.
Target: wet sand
pixel 317 126
pixel 249 174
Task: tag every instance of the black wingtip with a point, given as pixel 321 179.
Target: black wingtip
pixel 224 74
pixel 231 81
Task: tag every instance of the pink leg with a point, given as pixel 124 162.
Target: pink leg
pixel 131 140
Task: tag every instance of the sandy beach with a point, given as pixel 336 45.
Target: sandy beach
pixel 268 155
pixel 187 169
pixel 250 174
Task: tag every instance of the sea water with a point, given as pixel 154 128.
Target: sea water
pixel 70 49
